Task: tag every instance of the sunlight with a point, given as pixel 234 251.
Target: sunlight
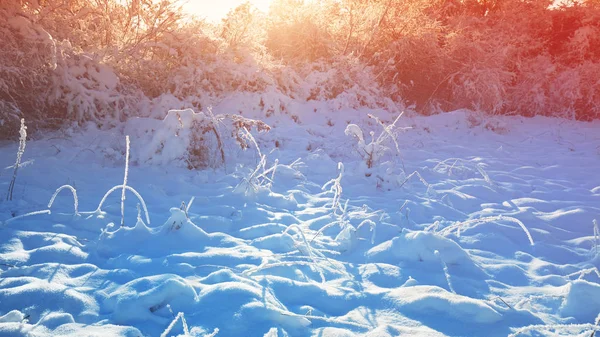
pixel 216 10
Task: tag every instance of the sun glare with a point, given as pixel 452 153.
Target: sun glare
pixel 216 10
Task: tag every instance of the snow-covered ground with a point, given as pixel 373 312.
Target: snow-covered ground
pixel 377 252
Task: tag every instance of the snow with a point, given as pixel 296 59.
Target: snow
pixel 313 247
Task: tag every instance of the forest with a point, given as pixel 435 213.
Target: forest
pixel 101 61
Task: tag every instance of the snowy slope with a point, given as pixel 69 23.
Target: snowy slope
pixel 289 258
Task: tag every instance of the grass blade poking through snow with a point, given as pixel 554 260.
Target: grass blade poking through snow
pixel 75 200
pixel 20 151
pixel 125 180
pixel 457 226
pixel 596 248
pixel 446 271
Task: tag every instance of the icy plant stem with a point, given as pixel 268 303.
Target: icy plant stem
pixel 309 249
pixel 75 200
pixel 446 272
pixel 129 188
pixel 187 208
pixel 336 187
pixel 251 138
pixel 20 151
pixel 596 239
pixel 46 211
pixel 125 180
pixel 415 173
pixel 172 325
pixel 457 226
pixel 213 334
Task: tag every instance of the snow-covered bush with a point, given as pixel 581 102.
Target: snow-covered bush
pixel 50 82
pixel 27 59
pixel 191 139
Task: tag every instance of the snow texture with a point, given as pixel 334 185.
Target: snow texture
pixel 318 248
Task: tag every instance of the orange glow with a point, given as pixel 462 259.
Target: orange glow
pixel 216 10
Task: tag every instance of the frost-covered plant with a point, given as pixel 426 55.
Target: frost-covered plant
pixel 309 252
pixel 75 199
pixel 372 151
pixel 446 271
pixel 335 187
pixel 596 248
pixel 341 220
pixel 491 219
pixel 195 139
pixel 20 151
pixel 430 190
pixel 261 177
pixel 125 180
pixel 115 188
pixel 179 316
pixel 443 166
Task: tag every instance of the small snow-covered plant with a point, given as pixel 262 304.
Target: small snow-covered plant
pixel 20 151
pixel 372 151
pixel 196 139
pixel 342 221
pixel 444 166
pixel 261 177
pixel 335 187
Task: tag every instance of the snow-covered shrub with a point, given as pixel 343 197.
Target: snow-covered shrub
pixel 89 90
pixel 51 82
pixel 191 139
pixel 298 31
pixel 27 59
pixel 373 150
pixel 345 81
pixel 575 92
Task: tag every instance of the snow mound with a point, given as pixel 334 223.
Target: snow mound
pixel 435 301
